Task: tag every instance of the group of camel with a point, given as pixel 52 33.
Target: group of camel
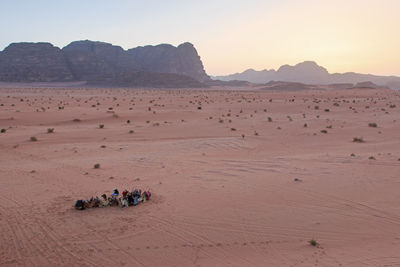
pixel 126 199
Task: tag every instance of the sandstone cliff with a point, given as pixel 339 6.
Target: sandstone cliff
pixel 102 62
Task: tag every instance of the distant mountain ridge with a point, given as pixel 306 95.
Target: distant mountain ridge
pixel 99 62
pixel 309 72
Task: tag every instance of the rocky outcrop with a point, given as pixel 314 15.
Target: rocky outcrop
pixel 88 60
pixel 102 62
pixel 369 85
pixel 169 59
pixel 33 62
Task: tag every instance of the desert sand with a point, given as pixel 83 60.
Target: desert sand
pixel 239 178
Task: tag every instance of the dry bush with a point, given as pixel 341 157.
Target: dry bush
pixel 358 140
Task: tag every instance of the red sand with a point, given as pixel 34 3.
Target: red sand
pixel 218 199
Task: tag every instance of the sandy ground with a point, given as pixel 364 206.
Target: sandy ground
pixel 219 198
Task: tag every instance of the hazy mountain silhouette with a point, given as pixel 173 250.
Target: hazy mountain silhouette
pixel 309 72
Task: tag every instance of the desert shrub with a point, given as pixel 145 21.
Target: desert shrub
pixel 199 108
pixel 50 130
pixel 269 119
pixel 324 131
pixel 313 242
pixel 305 125
pixel 76 120
pixel 358 140
pixel 131 131
pixel 316 107
pixel 3 130
pixel 372 158
pixel 329 126
pixel 33 139
pixel 373 124
pixel 255 133
pixel 233 129
pixel 96 166
pixel 352 155
pixel 326 110
pixel 101 126
pixel 128 121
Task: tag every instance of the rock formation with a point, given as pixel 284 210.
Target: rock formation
pixel 33 62
pixel 99 62
pixel 309 72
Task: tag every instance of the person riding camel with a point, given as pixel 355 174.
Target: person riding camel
pixel 116 192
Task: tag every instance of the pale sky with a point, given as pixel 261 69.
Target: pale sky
pixel 229 35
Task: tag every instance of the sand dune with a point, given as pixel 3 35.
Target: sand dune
pixel 221 172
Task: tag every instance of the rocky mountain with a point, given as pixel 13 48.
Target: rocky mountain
pixel 33 62
pixel 165 58
pixel 99 62
pixel 309 72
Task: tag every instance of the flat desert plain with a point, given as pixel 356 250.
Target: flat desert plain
pixel 238 178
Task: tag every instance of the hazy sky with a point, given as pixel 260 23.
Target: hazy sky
pixel 230 35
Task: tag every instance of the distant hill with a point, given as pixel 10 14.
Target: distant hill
pixel 99 62
pixel 309 72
